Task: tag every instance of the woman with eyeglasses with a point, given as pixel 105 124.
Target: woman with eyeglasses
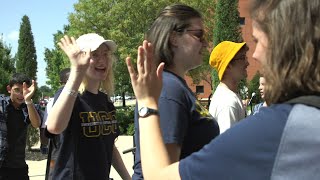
pixel 177 36
pixel 281 141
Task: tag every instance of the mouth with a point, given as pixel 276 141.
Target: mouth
pixel 100 69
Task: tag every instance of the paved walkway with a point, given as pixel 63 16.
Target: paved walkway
pixel 37 169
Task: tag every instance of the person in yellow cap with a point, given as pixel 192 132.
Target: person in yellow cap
pixel 230 60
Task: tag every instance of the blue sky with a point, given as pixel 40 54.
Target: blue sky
pixel 46 18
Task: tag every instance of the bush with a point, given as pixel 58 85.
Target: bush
pixel 254 87
pixel 125 118
pixel 32 136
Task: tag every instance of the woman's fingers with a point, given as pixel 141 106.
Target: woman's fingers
pixel 67 39
pixel 149 65
pixel 140 61
pixel 132 72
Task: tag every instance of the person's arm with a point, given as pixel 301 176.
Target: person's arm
pixel 61 111
pixel 147 84
pixel 32 112
pixel 46 112
pixel 118 164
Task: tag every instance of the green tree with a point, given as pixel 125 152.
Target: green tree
pixel 227 28
pixel 253 86
pixel 6 66
pixel 45 91
pixel 27 63
pixel 125 22
pixel 226 21
pixel 56 61
pixel 26 54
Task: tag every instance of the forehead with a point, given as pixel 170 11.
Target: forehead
pixel 196 23
pixel 262 79
pixel 242 52
pixel 16 86
pixel 256 30
pixel 102 48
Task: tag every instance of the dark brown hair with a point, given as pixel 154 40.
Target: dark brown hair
pixel 292 68
pixel 174 18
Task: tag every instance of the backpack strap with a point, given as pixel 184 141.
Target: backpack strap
pixel 311 100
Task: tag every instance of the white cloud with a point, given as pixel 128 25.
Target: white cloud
pixel 13 35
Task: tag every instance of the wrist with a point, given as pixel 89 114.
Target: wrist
pixel 70 92
pixel 27 102
pixel 150 103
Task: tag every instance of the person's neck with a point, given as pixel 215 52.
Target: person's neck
pixel 264 104
pixel 93 87
pixel 15 105
pixel 233 86
pixel 177 71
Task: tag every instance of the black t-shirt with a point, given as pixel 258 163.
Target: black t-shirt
pixel 87 143
pixel 17 124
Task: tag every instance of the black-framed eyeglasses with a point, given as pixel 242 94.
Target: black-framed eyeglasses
pixel 198 33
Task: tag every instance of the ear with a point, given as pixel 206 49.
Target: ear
pixel 9 89
pixel 173 39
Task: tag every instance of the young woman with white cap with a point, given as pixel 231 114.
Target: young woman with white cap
pixel 83 113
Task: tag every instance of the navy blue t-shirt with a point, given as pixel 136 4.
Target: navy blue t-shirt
pixel 184 121
pixel 246 151
pixel 86 145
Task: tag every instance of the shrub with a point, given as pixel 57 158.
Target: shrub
pixel 125 118
pixel 32 136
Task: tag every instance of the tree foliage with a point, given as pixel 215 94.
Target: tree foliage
pixel 46 91
pixel 227 28
pixel 6 66
pixel 125 22
pixel 56 61
pixel 253 86
pixel 226 19
pixel 26 54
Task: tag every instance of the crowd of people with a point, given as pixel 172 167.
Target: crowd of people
pixel 175 136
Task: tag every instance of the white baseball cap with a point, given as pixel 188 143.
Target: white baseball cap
pixel 93 41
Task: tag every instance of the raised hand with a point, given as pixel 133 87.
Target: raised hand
pixel 78 59
pixel 147 81
pixel 28 91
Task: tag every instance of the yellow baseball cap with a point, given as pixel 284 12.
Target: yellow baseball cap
pixel 222 54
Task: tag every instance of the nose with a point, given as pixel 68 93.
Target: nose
pixel 247 62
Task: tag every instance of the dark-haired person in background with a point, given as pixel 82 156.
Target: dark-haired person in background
pixel 19 113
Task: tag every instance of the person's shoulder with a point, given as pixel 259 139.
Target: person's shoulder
pixel 172 81
pixel 173 86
